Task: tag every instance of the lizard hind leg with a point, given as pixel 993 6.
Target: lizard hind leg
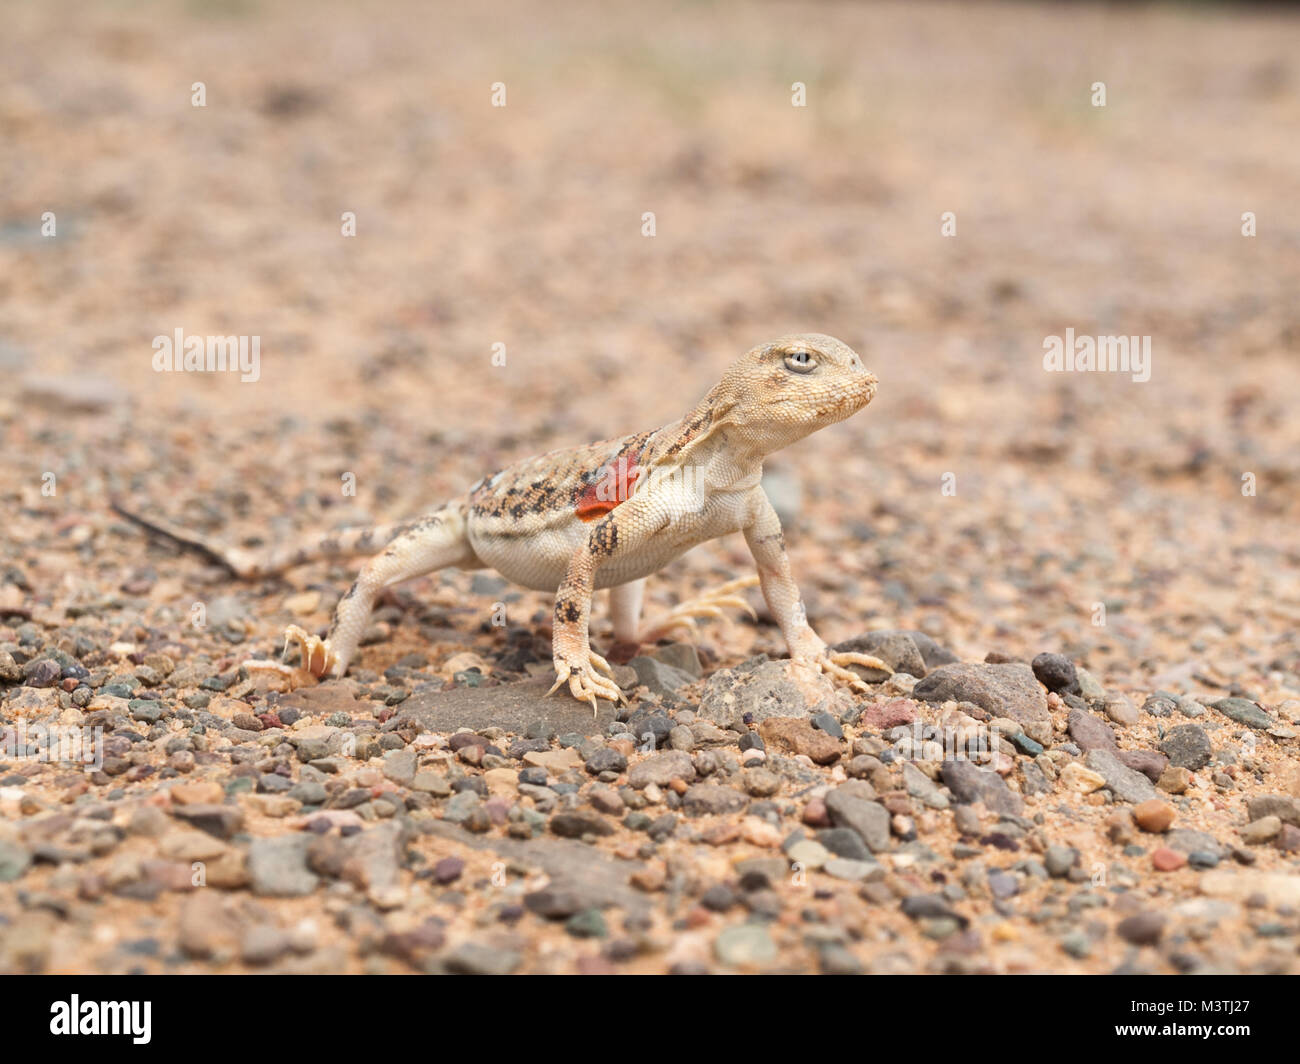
pixel 711 604
pixel 428 544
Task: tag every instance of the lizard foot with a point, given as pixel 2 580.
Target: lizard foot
pixel 835 665
pixel 317 656
pixel 710 604
pixel 588 680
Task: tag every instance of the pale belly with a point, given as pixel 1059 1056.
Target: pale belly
pixel 540 559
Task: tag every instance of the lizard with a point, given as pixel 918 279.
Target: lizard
pixel 608 515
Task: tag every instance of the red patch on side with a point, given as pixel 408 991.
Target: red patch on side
pixel 614 485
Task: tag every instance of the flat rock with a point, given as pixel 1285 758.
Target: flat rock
pixel 752 691
pixel 702 799
pixel 1188 840
pixel 513 707
pixel 222 821
pixel 870 820
pixel 472 958
pixel 1187 746
pixel 1278 888
pixel 970 783
pixel 800 737
pixel 1284 807
pixel 1244 712
pixel 1125 783
pixel 1007 690
pixel 662 769
pixel 278 868
pixel 659 677
pixel 331 696
pixel 1151 764
pixel 881 716
pixel 932 653
pixel 1090 732
pixel 920 786
pixel 594 880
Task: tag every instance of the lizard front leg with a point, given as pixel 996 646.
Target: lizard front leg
pixel 767 544
pixel 625 529
pixel 588 675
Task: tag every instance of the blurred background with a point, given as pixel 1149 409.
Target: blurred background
pixel 523 225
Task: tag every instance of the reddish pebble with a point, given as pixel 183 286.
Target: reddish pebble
pixel 448 870
pixel 815 814
pixel 1167 860
pixel 595 965
pixel 884 715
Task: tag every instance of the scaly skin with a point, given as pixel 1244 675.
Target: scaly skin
pixel 609 514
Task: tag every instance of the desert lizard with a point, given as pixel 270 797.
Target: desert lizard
pixel 607 515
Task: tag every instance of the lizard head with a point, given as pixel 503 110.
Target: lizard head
pixel 782 391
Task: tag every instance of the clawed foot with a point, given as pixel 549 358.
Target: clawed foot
pixel 588 679
pixel 710 604
pixel 835 665
pixel 316 654
pixel 317 659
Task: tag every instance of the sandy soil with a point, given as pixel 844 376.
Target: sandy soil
pixel 1000 508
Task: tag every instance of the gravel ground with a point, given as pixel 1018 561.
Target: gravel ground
pixel 1089 587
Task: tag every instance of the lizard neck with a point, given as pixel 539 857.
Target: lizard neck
pixel 706 439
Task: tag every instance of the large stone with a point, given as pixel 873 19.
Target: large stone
pixel 932 653
pixel 662 769
pixel 222 821
pixel 400 766
pixel 278 867
pixel 1277 888
pixel 1056 672
pixel 969 783
pixel 207 926
pixel 1147 762
pixel 581 872
pixel 659 677
pixel 752 692
pixel 898 650
pixel 869 819
pixel 1125 783
pixel 318 741
pixel 1090 732
pixel 1244 712
pixel 14 861
pixel 703 799
pixel 1284 807
pixel 372 862
pixel 800 737
pixel 1187 746
pixel 1007 690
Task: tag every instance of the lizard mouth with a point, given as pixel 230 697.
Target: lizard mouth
pixel 865 392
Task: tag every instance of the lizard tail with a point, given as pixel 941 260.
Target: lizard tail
pixel 249 565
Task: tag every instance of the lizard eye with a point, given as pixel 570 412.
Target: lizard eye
pixel 800 362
